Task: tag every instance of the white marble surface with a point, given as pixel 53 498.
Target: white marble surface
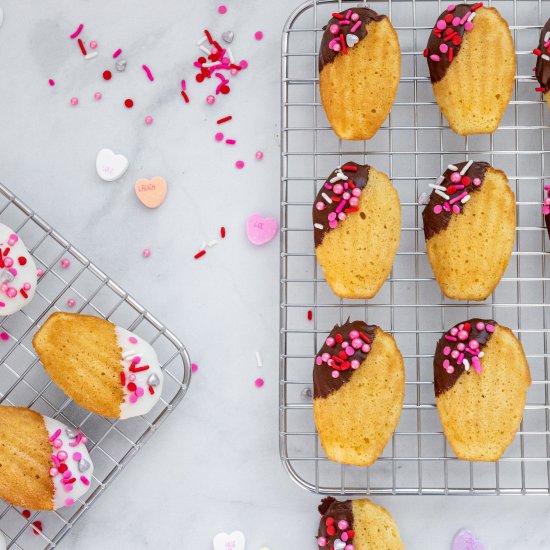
pixel 214 465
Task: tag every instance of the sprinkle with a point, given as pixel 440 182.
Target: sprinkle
pixel 224 119
pixel 212 243
pixel 466 199
pixel 107 75
pixel 71 302
pixel 185 96
pixel 239 165
pixel 91 55
pixel 82 48
pixel 230 141
pixel 259 155
pixel 4 336
pixel 258 359
pixel 77 32
pixel 441 194
pixel 128 103
pixel 74 101
pixel 440 187
pixel 149 120
pixel 318 226
pixel 309 315
pixel 194 367
pixel 259 382
pixel 51 82
pixel 199 254
pixel 435 57
pixel 222 10
pixel 222 232
pixel 545 57
pixel 55 435
pixel 148 72
pixel 117 53
pixel 466 167
pixel 258 35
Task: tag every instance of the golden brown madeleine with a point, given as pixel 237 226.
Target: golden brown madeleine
pixel 470 227
pixel 356 228
pixel 542 69
pixel 356 525
pixel 104 368
pixel 36 452
pixel 481 377
pixel 472 63
pixel 359 387
pixel 359 70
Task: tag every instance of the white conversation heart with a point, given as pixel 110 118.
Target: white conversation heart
pixel 234 541
pixel 110 166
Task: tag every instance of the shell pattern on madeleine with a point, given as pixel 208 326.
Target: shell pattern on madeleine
pixel 470 227
pixel 359 387
pixel 359 71
pixel 472 64
pixel 481 378
pixel 356 229
pixel 542 68
pixel 44 465
pixel 356 525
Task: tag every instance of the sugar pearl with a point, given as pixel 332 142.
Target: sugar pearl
pixel 338 188
pixel 455 177
pixel 62 455
pixel 325 357
pixel 93 44
pixel 365 348
pixel 71 302
pixel 341 216
pixel 354 16
pixel 343 525
pixel 354 334
pixel 474 344
pixel 146 253
pixel 334 29
pixel 356 192
pixel 65 263
pixel 480 326
pixel 335 374
pixel 355 364
pixel 210 100
pixel 58 443
pixel 320 205
pixel 74 101
pixel 357 343
pixel 446 350
pixel 318 360
pixel 259 155
pixel 330 341
pixel 149 120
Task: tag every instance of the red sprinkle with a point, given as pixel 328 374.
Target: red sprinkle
pixel 350 210
pixel 107 75
pixel 22 260
pixel 62 468
pixel 450 54
pixel 26 514
pixel 122 378
pixel 426 52
pixel 37 527
pixel 365 337
pixel 330 520
pixel 199 254
pixel 339 338
pixel 185 96
pixel 222 232
pixel 448 17
pixel 128 103
pixel 331 530
pixel 208 36
pixel 337 16
pixel 151 390
pixel 540 89
pixel 476 6
pixel 224 119
pixel 133 368
pixel 343 42
pixel 349 168
pixel 82 48
pixel 536 51
pixel 23 293
pixel 131 386
pixel 309 315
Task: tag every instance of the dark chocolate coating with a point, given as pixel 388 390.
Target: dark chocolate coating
pixel 543 65
pixel 434 223
pixel 323 382
pixel 438 69
pixel 366 15
pixel 443 381
pixel 547 220
pixel 359 179
pixel 337 510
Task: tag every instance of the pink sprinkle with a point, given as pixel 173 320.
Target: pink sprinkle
pixel 148 72
pixel 441 25
pixel 356 26
pixel 93 44
pixel 55 435
pixel 51 82
pixel 230 141
pixel 451 7
pixel 194 367
pixel 210 100
pixel 451 338
pixel 69 502
pixel 259 155
pixel 438 209
pixel 183 85
pixel 239 164
pixel 476 364
pixel 222 10
pixel 85 480
pixel 243 64
pixel 98 96
pixel 71 302
pixel 458 198
pixel 117 53
pixel 133 398
pixel 146 253
pixel 219 136
pixel 133 340
pixel 468 26
pixel 258 35
pixel 490 328
pixel 149 120
pixel 77 456
pixel 434 57
pixel 259 382
pixel 74 101
pixel 65 263
pixel 77 32
pixel 4 336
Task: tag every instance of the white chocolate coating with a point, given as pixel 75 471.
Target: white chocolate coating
pixel 79 468
pixel 137 354
pixel 17 272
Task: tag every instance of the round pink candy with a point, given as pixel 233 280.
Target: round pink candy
pixel 441 25
pixel 98 96
pixel 345 344
pixel 490 328
pixel 259 155
pixel 456 209
pixel 438 209
pixel 332 224
pixel 344 536
pixel 355 17
pixel 450 369
pixel 454 331
pixel 139 392
pixel 133 340
pixel 27 286
pixel 332 216
pixel 62 455
pixel 58 443
pixel 354 201
pixel 357 343
pixel 461 346
pixel 77 456
pixel 322 542
pixel 210 100
pixel 468 26
pixel 330 341
pixel 356 192
pixel 336 47
pixel 477 182
pixel 12 292
pixel 456 21
pixel 8 262
pixel 74 101
pixel 349 547
pixel 132 398
pixel 325 357
pixel 451 7
pixel 334 29
pixel 443 48
pixel 93 44
pixel 320 205
pixel 354 334
pixel 355 364
pixel 218 136
pixel 365 348
pixel 69 502
pixel 446 350
pixel 473 344
pixel 239 164
pixel 455 354
pixel 342 216
pixel 343 525
pixel 68 487
pixel 53 472
pixel 480 326
pixel 13 238
pixel 338 188
pixel 318 360
pixel 67 474
pixel 462 335
pixel 149 120
pixel 346 196
pixel 65 263
pixel 456 177
pixel 335 374
pixel 350 351
pixel 132 377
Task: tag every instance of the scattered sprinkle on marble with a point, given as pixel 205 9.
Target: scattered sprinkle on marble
pixel 148 72
pixel 219 136
pixel 71 302
pixel 77 31
pixel 128 103
pixel 51 82
pixel 466 540
pixel 98 96
pixel 222 10
pixel 149 120
pixel 65 263
pixel 74 101
pixel 194 367
pixel 210 100
pixel 107 75
pixel 93 45
pixel 259 155
pixel 39 273
pixel 146 253
pixel 259 382
pixel 258 35
pixel 117 53
pixel 4 336
pixel 239 164
pixel 259 359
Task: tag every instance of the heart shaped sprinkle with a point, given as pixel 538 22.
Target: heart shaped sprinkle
pixel 151 192
pixel 228 36
pixel 351 40
pixel 260 230
pixel 120 65
pixel 339 545
pixel 234 541
pixel 466 540
pixel 110 166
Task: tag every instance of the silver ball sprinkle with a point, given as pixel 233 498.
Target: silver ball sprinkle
pixel 120 65
pixel 306 394
pixel 153 380
pixel 83 465
pixel 228 37
pixel 71 434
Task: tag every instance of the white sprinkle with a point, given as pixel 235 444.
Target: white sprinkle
pixel 466 364
pixel 472 16
pixel 128 354
pixel 452 167
pixel 230 55
pixel 259 359
pixel 545 57
pixel 327 198
pixel 211 64
pixel 90 55
pixel 466 167
pixel 212 243
pixel 547 37
pixel 205 50
pixel 202 40
pixel 440 187
pixel 441 194
pixel 339 176
pixel 318 226
pixel 203 245
pixel 423 198
pixel 440 180
pixel 466 199
pixel 481 354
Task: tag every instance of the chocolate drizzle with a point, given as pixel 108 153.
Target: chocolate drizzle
pixel 334 512
pixel 445 377
pixel 438 212
pixel 337 360
pixel 366 15
pixel 542 71
pixel 357 178
pixel 444 43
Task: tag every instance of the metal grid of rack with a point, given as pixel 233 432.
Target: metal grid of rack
pixel 23 381
pixel 413 147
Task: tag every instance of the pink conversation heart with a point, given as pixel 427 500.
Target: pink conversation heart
pixel 466 540
pixel 260 230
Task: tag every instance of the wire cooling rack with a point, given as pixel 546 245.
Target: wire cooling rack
pixel 23 381
pixel 413 147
